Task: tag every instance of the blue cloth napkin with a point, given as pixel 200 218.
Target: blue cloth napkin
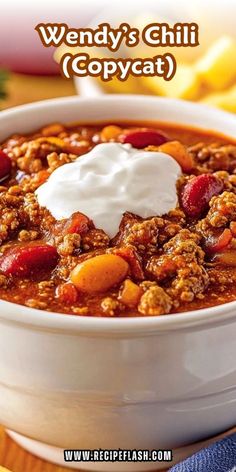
pixel 218 457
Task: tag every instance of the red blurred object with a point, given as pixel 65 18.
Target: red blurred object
pixel 142 138
pixel 26 260
pixel 5 165
pixel 20 47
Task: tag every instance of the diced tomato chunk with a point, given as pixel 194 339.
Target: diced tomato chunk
pixel 77 223
pixel 132 257
pixel 226 258
pixel 130 293
pixel 67 293
pixel 221 242
pixel 76 149
pixel 233 228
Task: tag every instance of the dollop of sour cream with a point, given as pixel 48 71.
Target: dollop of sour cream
pixel 110 179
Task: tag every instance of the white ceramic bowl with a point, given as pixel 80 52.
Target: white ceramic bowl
pixel 78 382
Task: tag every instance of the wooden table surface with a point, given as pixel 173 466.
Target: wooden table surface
pixel 16 459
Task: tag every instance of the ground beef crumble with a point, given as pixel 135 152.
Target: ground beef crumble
pixel 215 156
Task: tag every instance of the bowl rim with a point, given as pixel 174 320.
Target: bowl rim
pixel 186 106
pixel 41 320
pixel 104 326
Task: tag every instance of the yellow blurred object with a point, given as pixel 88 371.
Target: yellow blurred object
pixel 110 132
pixel 130 294
pixel 182 54
pixel 28 88
pixel 225 100
pixel 52 140
pixel 214 71
pixel 179 152
pixel 3 469
pixel 131 85
pixel 218 66
pixel 185 84
pixel 207 80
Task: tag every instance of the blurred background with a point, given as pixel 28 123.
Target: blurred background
pixel 206 73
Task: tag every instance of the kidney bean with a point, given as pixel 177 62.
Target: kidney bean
pixel 143 137
pixel 28 260
pixel 99 273
pixel 198 192
pixel 5 165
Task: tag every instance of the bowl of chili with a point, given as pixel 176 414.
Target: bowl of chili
pixel 85 368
